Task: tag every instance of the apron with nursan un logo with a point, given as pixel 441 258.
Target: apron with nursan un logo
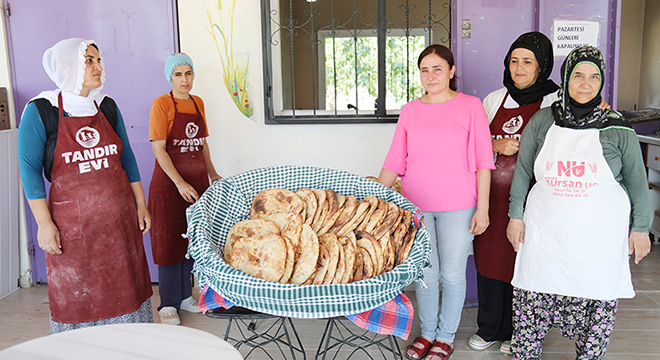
pixel 102 271
pixel 576 222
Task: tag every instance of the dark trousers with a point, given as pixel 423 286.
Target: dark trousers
pixel 494 316
pixel 174 283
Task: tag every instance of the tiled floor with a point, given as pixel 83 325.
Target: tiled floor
pixel 636 336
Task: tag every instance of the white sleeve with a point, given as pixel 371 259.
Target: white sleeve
pixel 492 102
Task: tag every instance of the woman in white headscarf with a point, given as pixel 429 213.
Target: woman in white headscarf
pixel 91 226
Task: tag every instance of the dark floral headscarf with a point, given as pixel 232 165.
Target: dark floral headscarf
pixel 541 46
pixel 568 112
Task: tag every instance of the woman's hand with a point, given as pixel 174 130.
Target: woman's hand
pixel 188 193
pixel 640 244
pixel 144 218
pixel 604 105
pixel 479 222
pixel 387 177
pixel 214 177
pixel 506 146
pixel 515 232
pixel 48 236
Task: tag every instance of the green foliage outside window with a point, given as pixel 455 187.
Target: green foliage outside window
pixel 402 77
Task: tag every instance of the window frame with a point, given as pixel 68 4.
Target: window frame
pixel 273 80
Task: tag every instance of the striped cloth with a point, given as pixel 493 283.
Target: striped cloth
pixel 227 201
pixel 392 318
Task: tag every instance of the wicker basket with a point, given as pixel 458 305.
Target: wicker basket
pixel 228 201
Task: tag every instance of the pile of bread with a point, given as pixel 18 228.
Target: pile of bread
pixel 316 236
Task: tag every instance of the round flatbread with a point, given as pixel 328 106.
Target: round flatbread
pixel 348 248
pixel 321 265
pixel 388 252
pixel 341 266
pixel 368 270
pixel 388 221
pixel 373 205
pixel 248 228
pixel 345 213
pixel 290 225
pixel 290 260
pixel 321 211
pixel 359 265
pixel 401 229
pixel 376 217
pixel 406 245
pixel 397 186
pixel 311 204
pixel 275 200
pixel 360 213
pixel 307 255
pixel 335 202
pixel 310 279
pixel 368 242
pixel 329 241
pixel 262 256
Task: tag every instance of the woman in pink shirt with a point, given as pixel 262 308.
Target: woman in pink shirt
pixel 442 152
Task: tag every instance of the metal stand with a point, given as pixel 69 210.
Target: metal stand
pixel 339 337
pixel 256 337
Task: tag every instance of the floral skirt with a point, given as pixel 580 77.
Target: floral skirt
pixel 142 315
pixel 586 321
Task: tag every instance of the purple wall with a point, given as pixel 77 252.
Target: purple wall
pixel 496 23
pixel 135 38
pixel 604 11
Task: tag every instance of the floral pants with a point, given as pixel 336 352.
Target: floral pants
pixel 588 322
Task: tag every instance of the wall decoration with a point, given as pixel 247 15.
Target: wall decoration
pixel 234 66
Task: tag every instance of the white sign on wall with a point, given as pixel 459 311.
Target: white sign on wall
pixel 569 34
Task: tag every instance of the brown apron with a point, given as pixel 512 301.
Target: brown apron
pixel 493 254
pixel 102 271
pixel 184 145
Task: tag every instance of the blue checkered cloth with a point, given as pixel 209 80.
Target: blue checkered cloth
pixel 228 201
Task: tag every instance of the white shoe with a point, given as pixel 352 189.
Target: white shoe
pixel 190 305
pixel 505 348
pixel 476 342
pixel 168 315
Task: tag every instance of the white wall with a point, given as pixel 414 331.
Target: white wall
pixel 630 53
pixel 5 81
pixel 239 144
pixel 649 85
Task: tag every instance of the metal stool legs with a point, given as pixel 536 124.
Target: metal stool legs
pixel 339 337
pixel 256 331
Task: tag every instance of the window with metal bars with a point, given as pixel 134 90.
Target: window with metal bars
pixel 346 61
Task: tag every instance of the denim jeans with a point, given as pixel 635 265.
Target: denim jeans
pixel 451 242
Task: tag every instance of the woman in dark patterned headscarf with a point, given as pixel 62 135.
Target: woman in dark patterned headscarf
pixel 586 213
pixel 527 66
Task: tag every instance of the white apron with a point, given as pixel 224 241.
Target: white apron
pixel 576 222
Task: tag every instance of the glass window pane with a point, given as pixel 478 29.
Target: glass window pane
pixel 324 54
pixel 403 83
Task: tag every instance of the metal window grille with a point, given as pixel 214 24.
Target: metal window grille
pixel 346 61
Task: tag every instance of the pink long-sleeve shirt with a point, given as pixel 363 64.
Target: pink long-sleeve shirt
pixel 437 149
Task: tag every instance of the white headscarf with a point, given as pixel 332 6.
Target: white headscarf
pixel 65 65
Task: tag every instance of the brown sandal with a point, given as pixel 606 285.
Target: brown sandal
pixel 448 349
pixel 419 352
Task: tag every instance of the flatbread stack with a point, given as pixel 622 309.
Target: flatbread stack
pixel 319 237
